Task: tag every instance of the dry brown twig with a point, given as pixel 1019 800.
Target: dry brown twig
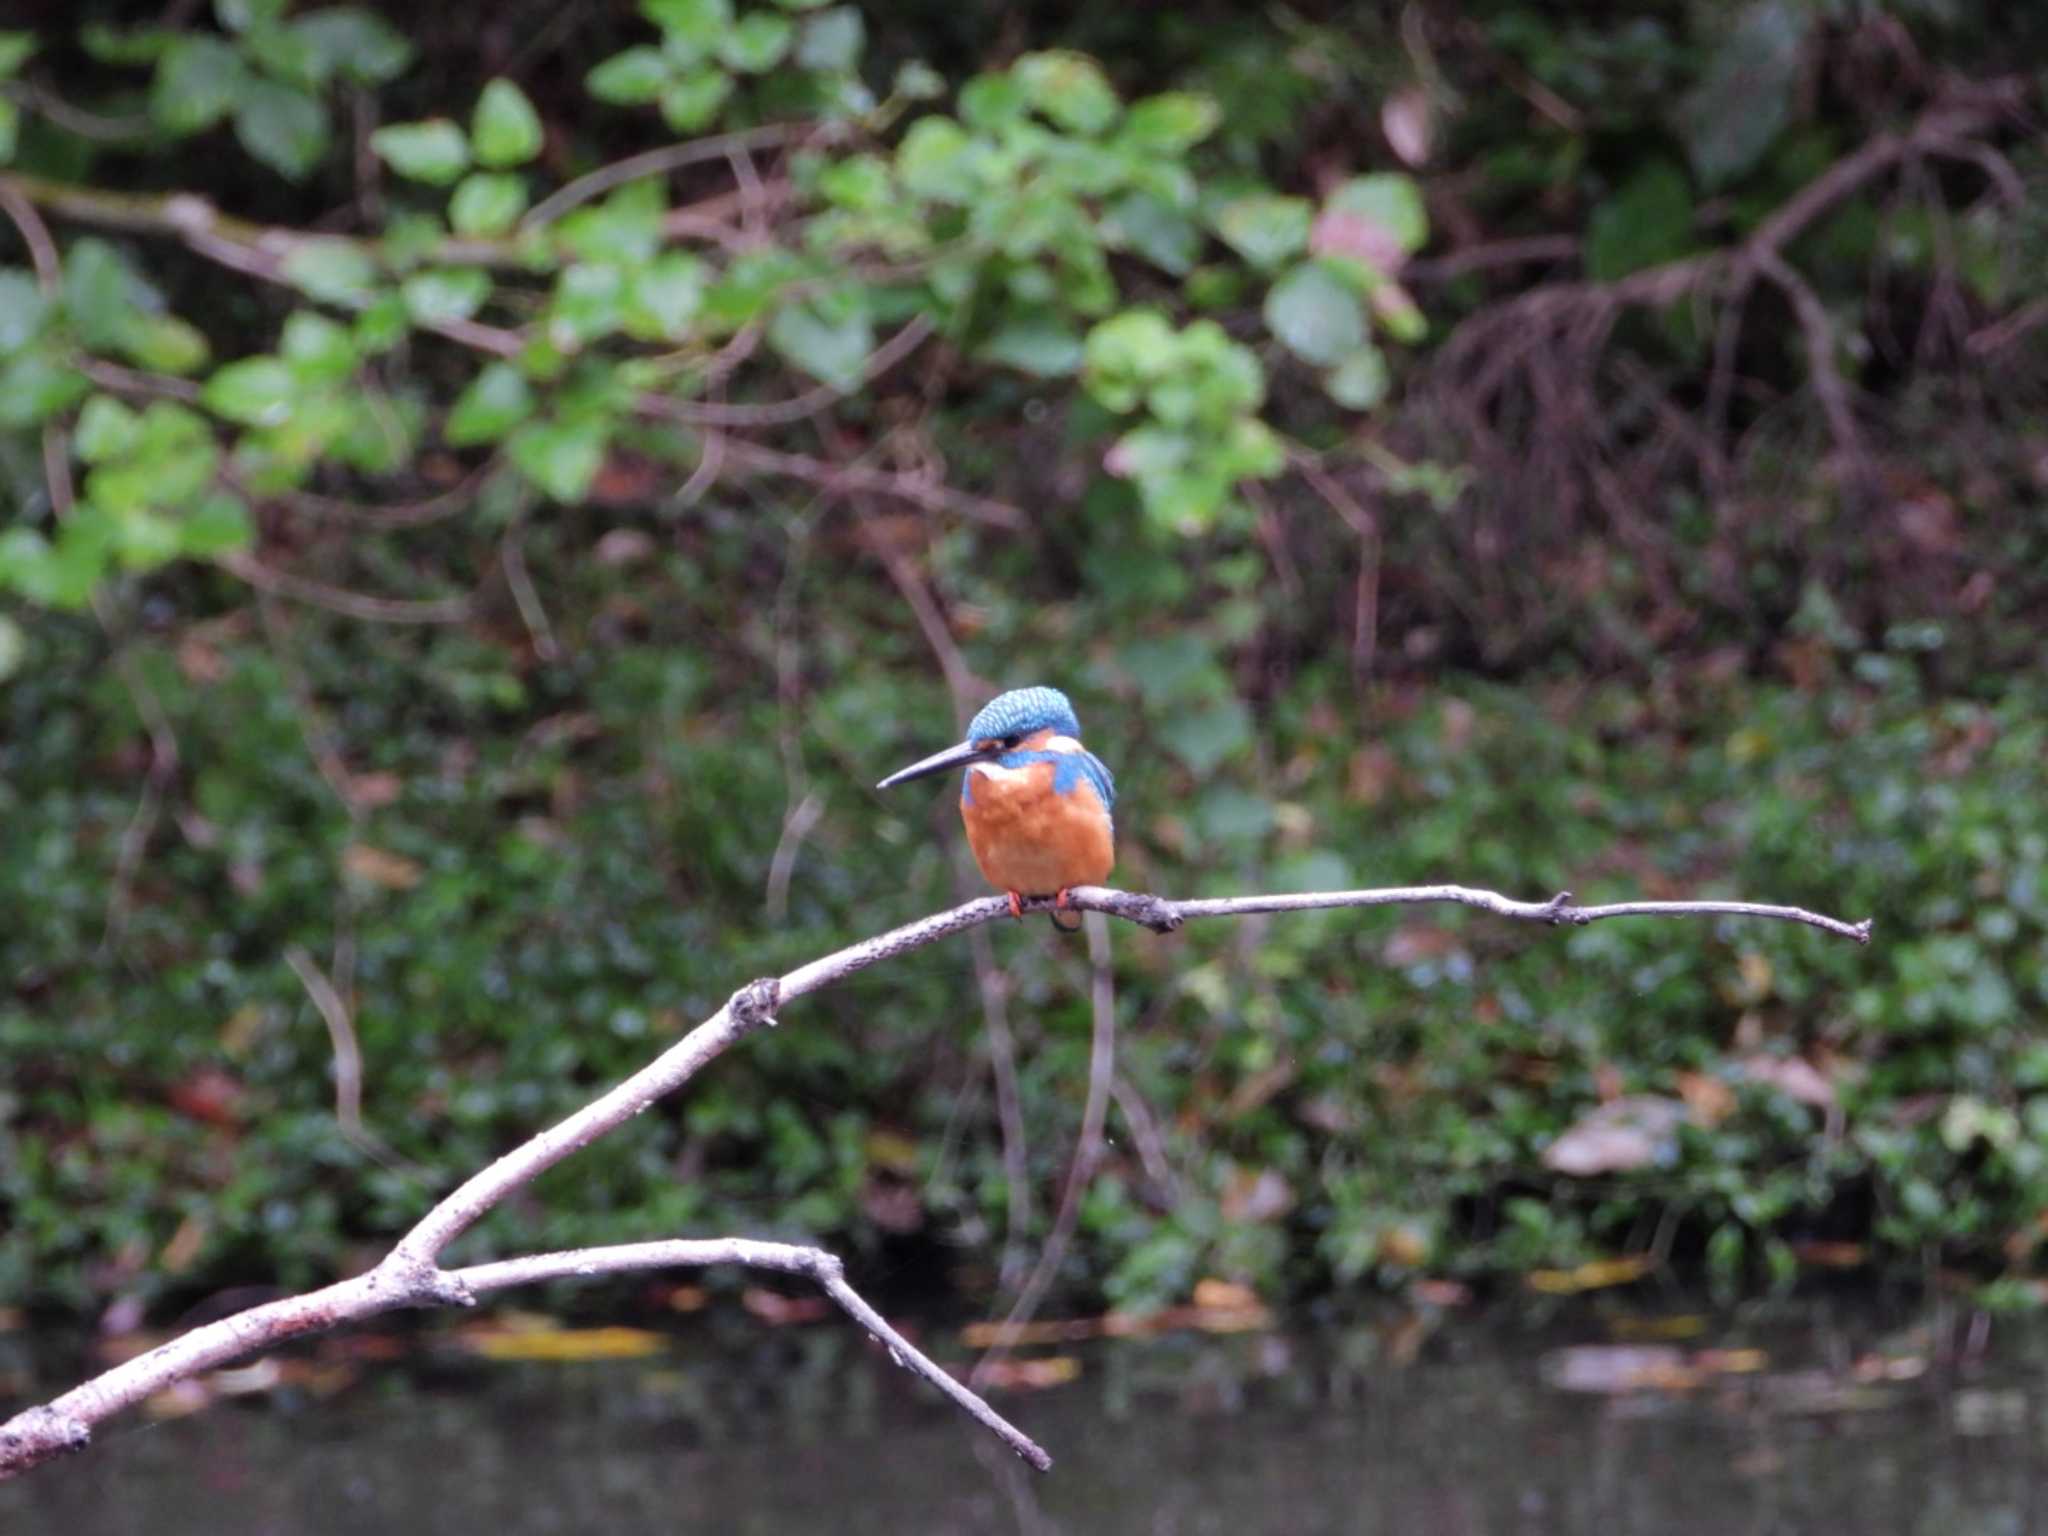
pixel 411 1275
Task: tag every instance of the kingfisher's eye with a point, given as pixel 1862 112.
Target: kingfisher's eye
pixel 1014 740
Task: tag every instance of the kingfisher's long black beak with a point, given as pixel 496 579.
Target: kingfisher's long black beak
pixel 953 757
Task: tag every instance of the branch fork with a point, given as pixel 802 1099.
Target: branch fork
pixel 411 1275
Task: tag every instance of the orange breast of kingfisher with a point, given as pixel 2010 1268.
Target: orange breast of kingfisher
pixel 1029 838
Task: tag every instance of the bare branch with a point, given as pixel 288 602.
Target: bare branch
pixel 653 162
pixel 356 605
pixel 772 413
pixel 410 1275
pixel 788 1258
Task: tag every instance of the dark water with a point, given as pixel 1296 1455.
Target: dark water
pixel 1808 1420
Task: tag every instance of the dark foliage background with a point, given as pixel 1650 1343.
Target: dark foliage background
pixel 1608 509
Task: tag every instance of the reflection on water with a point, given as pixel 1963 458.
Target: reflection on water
pixel 1806 1421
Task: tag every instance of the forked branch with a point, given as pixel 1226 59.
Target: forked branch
pixel 411 1275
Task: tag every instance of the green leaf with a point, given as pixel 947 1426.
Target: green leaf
pixel 935 161
pixel 1315 315
pixel 496 401
pixel 318 350
pixel 10 128
pixel 144 539
pixel 1039 344
pixel 241 15
pixel 833 41
pixel 861 182
pixel 198 81
pixel 690 29
pixel 333 271
pixel 1730 118
pixel 917 81
pixel 256 391
pixel 1125 351
pixel 561 457
pixel 282 126
pixel 286 56
pixel 15 48
pixel 1390 206
pixel 106 429
pixel 34 388
pixel 759 43
pixel 1359 382
pixel 163 344
pixel 1163 235
pixel 219 525
pixel 1265 229
pixel 748 285
pixel 632 78
pixel 172 459
pixel 435 151
pixel 487 203
pixel 13 643
pixel 347 40
pixel 829 337
pixel 141 45
pixel 587 303
pixel 506 130
pixel 1203 738
pixel 1171 123
pixel 1645 224
pixel 692 100
pixel 103 297
pixel 446 293
pixel 1069 88
pixel 663 297
pixel 22 310
pixel 992 101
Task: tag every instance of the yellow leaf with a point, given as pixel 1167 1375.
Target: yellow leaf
pixel 563 1344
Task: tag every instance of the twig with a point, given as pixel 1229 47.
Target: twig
pixel 916 489
pixel 653 162
pixel 35 234
pixel 410 1275
pixel 1002 1063
pixel 341 1034
pixel 714 413
pixel 1819 334
pixel 1087 1147
pixel 356 605
pixel 512 556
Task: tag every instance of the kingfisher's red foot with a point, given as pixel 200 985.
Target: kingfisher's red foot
pixel 1061 904
pixel 1016 905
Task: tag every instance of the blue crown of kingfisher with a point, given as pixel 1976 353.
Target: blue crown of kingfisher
pixel 1035 802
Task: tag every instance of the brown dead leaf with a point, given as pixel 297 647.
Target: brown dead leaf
pixel 1372 774
pixel 185 1245
pixel 1031 1375
pixel 1793 1076
pixel 623 546
pixel 1630 1133
pixel 778 1310
pixel 1409 124
pixel 378 866
pixel 1264 1195
pixel 1707 1099
pixel 374 791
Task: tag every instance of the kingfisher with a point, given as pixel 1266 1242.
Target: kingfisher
pixel 1035 802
